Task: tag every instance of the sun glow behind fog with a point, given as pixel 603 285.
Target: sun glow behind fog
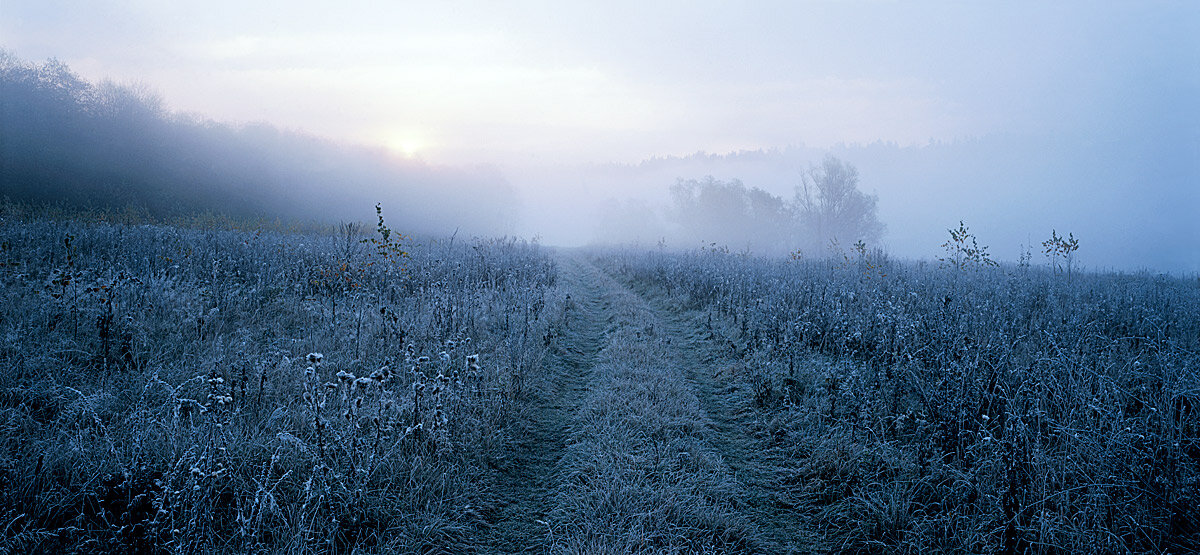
pixel 409 144
pixel 547 92
pixel 522 83
pixel 487 96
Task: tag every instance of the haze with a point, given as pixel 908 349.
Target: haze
pixel 1017 118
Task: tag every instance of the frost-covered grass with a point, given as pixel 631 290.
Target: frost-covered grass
pixel 179 390
pixel 924 409
pixel 639 475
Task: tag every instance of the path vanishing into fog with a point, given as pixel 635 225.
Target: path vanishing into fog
pixel 737 431
pixel 632 442
pixel 527 485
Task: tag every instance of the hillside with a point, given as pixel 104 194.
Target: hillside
pixel 102 146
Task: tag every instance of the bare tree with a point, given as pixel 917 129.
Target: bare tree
pixel 831 208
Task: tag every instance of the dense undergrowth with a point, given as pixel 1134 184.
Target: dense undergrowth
pixel 190 391
pixel 931 409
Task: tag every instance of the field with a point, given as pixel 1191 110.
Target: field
pixel 178 390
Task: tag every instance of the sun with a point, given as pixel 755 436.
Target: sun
pixel 408 144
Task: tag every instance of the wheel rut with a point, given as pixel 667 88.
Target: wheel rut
pixel 735 428
pixel 609 331
pixel 526 486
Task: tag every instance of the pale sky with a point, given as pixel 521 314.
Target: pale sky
pixel 545 90
pixel 621 81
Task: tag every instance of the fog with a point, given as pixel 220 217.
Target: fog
pixel 1131 209
pixel 576 123
pixel 110 148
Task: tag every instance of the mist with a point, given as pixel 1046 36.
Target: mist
pixel 671 276
pixel 113 148
pixel 1132 209
pixel 574 123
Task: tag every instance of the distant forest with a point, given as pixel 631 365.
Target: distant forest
pixel 116 148
pixel 827 216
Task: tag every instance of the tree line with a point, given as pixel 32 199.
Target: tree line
pixel 827 211
pixel 117 148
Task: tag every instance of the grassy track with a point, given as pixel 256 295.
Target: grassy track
pixel 737 431
pixel 640 473
pixel 526 483
pixel 631 442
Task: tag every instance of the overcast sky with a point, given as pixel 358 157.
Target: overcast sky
pixel 601 81
pixel 552 83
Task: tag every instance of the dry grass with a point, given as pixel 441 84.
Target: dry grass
pixel 160 394
pixel 639 474
pixel 928 410
pixel 172 390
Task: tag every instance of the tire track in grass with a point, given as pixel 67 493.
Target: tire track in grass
pixel 737 430
pixel 526 486
pixel 640 474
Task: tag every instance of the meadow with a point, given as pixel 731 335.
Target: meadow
pixel 182 390
pixel 907 407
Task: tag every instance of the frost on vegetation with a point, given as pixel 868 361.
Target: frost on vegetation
pixel 638 475
pixel 932 410
pixel 183 390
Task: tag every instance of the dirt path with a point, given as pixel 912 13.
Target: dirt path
pixel 735 428
pixel 527 486
pixel 738 430
pixel 639 474
pixel 634 441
